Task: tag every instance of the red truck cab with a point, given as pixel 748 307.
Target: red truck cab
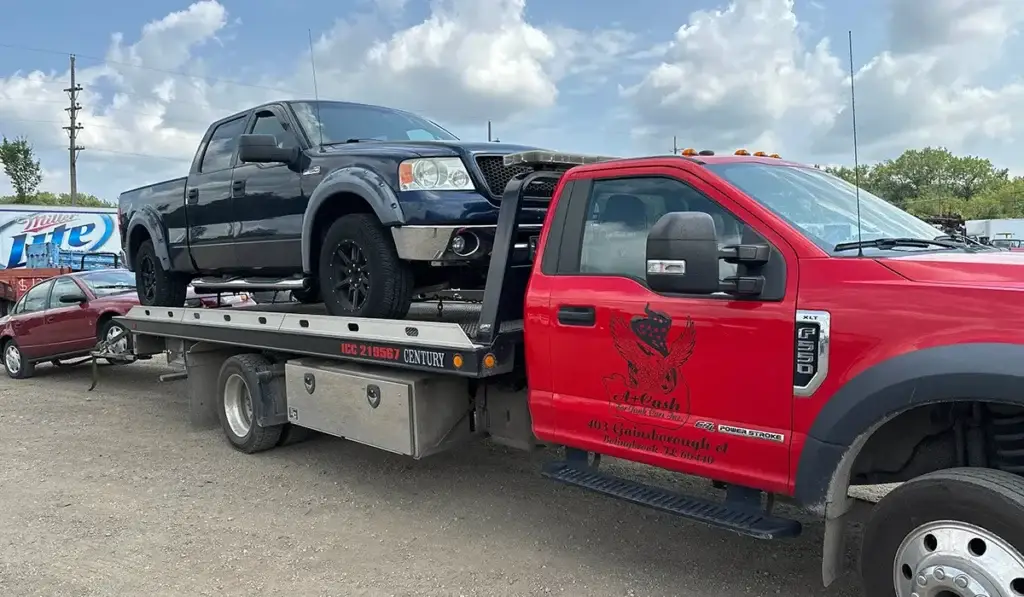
pixel 764 324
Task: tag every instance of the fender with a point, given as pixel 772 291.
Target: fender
pixel 992 372
pixel 150 220
pixel 359 181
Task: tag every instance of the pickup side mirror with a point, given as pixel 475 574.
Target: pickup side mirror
pixel 72 299
pixel 682 254
pixel 263 149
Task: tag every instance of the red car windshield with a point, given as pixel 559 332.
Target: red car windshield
pixel 108 282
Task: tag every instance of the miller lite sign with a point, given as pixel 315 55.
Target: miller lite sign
pixel 73 228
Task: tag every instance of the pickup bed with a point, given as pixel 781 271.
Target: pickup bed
pixel 360 207
pixel 745 319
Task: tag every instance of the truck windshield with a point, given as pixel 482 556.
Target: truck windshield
pixel 109 281
pixel 824 207
pixel 341 123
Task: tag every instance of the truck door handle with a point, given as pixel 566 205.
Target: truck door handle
pixel 238 187
pixel 573 315
pixel 193 196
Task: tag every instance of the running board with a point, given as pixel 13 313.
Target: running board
pixel 742 520
pixel 212 285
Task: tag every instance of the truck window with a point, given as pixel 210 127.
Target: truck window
pixel 269 124
pixel 620 212
pixel 221 149
pixel 35 298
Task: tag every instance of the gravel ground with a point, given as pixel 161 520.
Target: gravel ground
pixel 112 493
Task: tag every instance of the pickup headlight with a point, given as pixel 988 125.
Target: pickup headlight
pixel 434 174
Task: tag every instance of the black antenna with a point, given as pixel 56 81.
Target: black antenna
pixel 316 92
pixel 856 158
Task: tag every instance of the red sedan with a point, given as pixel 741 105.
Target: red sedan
pixel 64 317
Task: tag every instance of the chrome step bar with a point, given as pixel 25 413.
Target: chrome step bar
pixel 215 285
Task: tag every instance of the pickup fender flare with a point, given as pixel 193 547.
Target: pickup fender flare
pixel 147 218
pixel 992 372
pixel 364 183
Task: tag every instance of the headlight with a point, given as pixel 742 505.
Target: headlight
pixel 434 174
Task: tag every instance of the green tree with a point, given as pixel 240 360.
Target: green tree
pixel 21 167
pixel 48 198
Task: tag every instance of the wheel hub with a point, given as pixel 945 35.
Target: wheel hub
pixel 238 405
pixel 956 559
pixel 12 358
pixel 352 282
pixel 119 347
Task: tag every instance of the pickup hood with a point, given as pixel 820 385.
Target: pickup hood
pixel 427 149
pixel 997 268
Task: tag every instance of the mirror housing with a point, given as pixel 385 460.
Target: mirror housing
pixel 72 299
pixel 263 149
pixel 682 254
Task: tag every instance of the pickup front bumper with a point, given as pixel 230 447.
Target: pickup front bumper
pixel 456 243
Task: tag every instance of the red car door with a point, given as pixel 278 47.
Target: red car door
pixel 70 327
pixel 701 384
pixel 29 321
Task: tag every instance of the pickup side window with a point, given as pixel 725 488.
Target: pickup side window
pixel 269 124
pixel 220 151
pixel 620 212
pixel 35 299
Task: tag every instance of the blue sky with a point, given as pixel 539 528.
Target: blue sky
pixel 597 76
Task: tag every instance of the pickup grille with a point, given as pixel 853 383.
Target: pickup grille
pixel 497 174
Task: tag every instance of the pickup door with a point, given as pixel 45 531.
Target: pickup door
pixel 700 384
pixel 269 203
pixel 211 217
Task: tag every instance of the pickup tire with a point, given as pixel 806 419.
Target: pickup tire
pixel 947 533
pixel 156 286
pixel 361 274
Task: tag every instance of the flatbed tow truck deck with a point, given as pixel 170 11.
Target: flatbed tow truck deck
pixel 902 400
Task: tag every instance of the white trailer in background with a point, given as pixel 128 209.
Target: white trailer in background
pixel 997 229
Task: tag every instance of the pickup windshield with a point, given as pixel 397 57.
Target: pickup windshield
pixel 348 123
pixel 824 207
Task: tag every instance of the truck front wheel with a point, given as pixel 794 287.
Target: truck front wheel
pixel 948 533
pixel 360 273
pixel 156 286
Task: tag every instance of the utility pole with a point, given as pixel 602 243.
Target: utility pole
pixel 73 147
pixel 675 146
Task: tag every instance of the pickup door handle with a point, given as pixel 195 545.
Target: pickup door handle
pixel 576 315
pixel 193 196
pixel 238 187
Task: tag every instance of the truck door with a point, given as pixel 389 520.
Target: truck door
pixel 698 384
pixel 269 203
pixel 211 219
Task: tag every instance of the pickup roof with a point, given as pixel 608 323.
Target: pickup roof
pixel 745 319
pixel 355 205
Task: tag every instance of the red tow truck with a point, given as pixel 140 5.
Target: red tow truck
pixel 741 318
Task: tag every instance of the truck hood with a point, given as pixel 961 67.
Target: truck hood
pixel 996 268
pixel 428 149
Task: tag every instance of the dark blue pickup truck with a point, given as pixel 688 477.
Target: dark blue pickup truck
pixel 361 207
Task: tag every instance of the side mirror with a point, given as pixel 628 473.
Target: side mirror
pixel 682 254
pixel 72 299
pixel 263 149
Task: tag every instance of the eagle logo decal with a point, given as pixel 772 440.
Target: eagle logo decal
pixel 653 391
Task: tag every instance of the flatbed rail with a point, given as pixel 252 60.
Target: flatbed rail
pixel 428 339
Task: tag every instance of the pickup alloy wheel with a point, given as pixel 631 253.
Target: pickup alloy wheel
pixel 156 286
pixel 361 274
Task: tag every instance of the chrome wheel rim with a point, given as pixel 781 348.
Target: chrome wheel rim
pixel 238 405
pixel 955 559
pixel 119 347
pixel 12 359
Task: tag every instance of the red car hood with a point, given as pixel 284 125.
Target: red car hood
pixel 995 268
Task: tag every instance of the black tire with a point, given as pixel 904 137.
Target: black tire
pixel 156 286
pixel 293 434
pixel 104 332
pixel 25 370
pixel 306 297
pixel 389 292
pixel 986 498
pixel 246 367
